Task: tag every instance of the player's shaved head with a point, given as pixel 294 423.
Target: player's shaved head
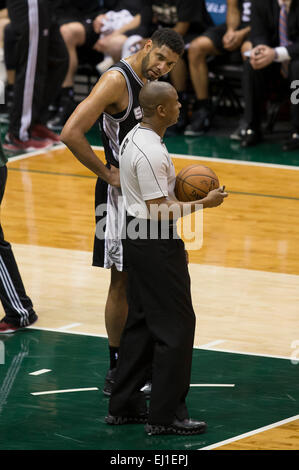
pixel 153 94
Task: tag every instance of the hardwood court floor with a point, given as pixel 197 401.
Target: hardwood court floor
pixel 244 278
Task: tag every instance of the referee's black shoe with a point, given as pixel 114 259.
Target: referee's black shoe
pixel 130 419
pixel 186 427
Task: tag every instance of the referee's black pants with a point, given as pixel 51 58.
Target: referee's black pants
pixel 159 332
pixel 16 303
pixel 41 63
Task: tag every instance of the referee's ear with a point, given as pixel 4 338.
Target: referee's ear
pixel 160 110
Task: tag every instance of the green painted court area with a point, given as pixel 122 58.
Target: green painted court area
pixel 259 391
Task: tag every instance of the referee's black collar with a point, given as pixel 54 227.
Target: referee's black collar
pixel 149 129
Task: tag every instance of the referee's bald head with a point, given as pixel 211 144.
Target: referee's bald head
pixel 154 94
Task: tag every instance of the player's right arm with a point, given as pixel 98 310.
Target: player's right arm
pixel 106 95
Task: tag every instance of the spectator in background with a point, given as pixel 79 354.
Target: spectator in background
pixel 4 20
pixel 114 29
pixel 5 74
pixel 86 24
pixel 227 38
pixel 41 64
pixel 10 60
pixel 275 55
pixel 75 20
pixel 188 18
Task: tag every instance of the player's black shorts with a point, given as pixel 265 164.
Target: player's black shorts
pixel 110 213
pixel 216 33
pixel 90 36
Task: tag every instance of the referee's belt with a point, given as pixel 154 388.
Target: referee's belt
pixel 150 228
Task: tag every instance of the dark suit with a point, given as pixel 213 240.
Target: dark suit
pixel 264 25
pixel 265 30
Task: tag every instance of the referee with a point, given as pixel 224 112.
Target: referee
pixel 159 332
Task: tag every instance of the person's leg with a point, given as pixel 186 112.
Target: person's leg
pixel 10 65
pixel 57 67
pixel 136 352
pixel 254 92
pixel 171 321
pixel 111 45
pixel 18 307
pixel 116 309
pixel 52 63
pixel 20 23
pixel 239 131
pixel 30 21
pixel 178 78
pixel 74 36
pixel 161 321
pixel 199 50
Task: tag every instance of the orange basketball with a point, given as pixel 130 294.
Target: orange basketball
pixel 195 182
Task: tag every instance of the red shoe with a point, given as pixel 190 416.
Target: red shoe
pixel 40 131
pixel 8 328
pixel 12 143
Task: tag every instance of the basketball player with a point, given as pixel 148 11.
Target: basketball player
pixel 159 332
pixel 115 99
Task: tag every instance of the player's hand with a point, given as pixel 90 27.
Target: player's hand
pixel 232 40
pixel 114 178
pixel 98 23
pixel 216 196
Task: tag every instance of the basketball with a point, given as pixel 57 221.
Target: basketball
pixel 195 182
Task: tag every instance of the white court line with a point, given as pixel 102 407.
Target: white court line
pixel 213 343
pixel 245 353
pixel 39 372
pixel 35 153
pixel 212 385
pixel 68 327
pixel 251 433
pixel 223 160
pixel 50 392
pixel 55 330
